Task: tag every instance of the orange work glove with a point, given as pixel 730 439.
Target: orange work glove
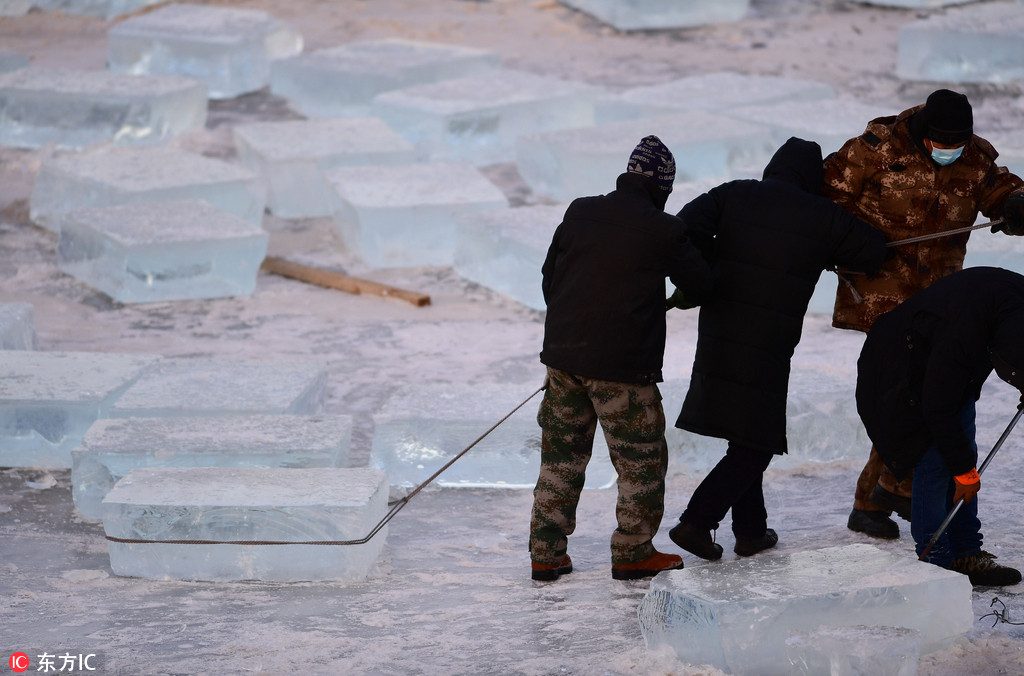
pixel 967 486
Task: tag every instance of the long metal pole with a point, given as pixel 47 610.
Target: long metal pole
pixel 981 470
pixel 945 233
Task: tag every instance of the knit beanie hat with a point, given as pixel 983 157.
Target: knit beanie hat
pixel 652 159
pixel 948 118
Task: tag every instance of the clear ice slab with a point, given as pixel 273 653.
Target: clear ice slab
pixel 293 156
pixel 11 60
pixel 707 146
pixel 983 43
pixel 477 118
pixel 405 215
pixel 922 4
pixel 737 615
pixel 854 651
pixel 422 427
pixel 115 176
pixel 246 504
pixel 653 14
pixel 227 49
pixel 505 249
pixel 49 399
pixel 113 447
pixel 108 9
pixel 342 81
pixel 140 253
pixel 719 91
pixel 78 108
pixel 17 327
pixel 219 387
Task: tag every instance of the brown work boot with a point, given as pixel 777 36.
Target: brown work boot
pixel 697 542
pixel 983 571
pixel 547 573
pixel 649 567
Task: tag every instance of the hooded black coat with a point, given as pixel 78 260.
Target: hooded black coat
pixel 768 242
pixel 923 361
pixel 604 283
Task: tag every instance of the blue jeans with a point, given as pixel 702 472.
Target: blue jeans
pixel 933 499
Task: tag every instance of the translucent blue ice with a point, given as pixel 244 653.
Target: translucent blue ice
pixel 854 651
pixel 108 9
pixel 17 327
pixel 651 14
pixel 11 60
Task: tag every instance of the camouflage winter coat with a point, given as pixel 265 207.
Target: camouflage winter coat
pixel 888 180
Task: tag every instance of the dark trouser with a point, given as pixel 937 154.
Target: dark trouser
pixel 734 483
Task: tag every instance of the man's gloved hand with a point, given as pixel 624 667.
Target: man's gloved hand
pixel 679 300
pixel 967 486
pixel 1012 215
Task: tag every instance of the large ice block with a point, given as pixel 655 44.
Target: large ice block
pixel 829 122
pixel 569 163
pixel 983 43
pixel 77 108
pixel 504 249
pixel 738 615
pixel 422 427
pixel 12 60
pixel 229 50
pixel 477 118
pixel 652 14
pixel 113 176
pixel 49 399
pixel 405 215
pixel 293 155
pixel 215 387
pixel 720 91
pixel 113 447
pixel 17 327
pixel 854 651
pixel 342 81
pixel 300 506
pixel 138 253
pixel 108 9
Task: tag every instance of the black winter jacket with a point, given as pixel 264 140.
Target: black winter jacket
pixel 604 283
pixel 768 242
pixel 929 357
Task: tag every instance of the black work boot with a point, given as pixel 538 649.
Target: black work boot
pixel 875 524
pixel 697 542
pixel 751 546
pixel 890 501
pixel 983 571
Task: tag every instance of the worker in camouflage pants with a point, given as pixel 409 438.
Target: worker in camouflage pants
pixel 604 344
pixel 634 425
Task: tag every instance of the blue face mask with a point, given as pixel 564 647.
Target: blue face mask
pixel 944 156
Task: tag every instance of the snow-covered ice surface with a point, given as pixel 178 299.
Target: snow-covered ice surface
pixel 450 592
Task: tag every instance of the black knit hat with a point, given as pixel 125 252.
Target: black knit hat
pixel 652 159
pixel 948 118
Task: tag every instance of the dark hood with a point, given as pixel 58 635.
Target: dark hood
pixel 797 161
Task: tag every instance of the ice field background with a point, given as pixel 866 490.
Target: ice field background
pixel 450 592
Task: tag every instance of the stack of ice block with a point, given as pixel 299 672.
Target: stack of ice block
pixel 971 44
pixel 12 60
pixel 113 176
pixel 108 9
pixel 229 50
pixel 138 253
pixel 77 108
pixel 49 399
pixel 829 122
pixel 854 651
pixel 706 146
pixel 478 118
pixel 504 250
pixel 298 506
pixel 292 157
pixel 218 387
pixel 422 427
pixel 653 14
pixel 720 91
pixel 113 447
pixel 342 81
pixel 738 615
pixel 17 327
pixel 405 215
